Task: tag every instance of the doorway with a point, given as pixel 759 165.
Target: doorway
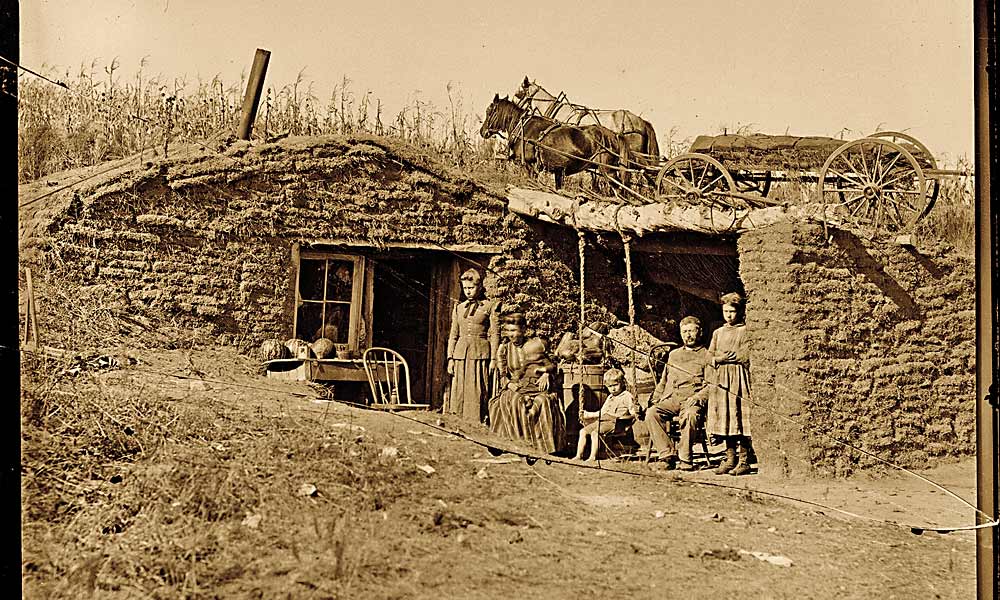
pixel 401 313
pixel 413 295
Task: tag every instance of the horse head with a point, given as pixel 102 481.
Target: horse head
pixel 500 116
pixel 525 92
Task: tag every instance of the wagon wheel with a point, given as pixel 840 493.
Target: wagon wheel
pixel 874 183
pixel 749 182
pixel 691 179
pixel 923 156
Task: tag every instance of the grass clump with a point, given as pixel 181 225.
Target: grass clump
pixel 101 116
pixel 137 482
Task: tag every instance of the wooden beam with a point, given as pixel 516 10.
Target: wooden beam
pixel 680 242
pixel 601 216
pixel 472 248
pixel 987 306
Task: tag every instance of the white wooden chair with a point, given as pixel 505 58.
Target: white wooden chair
pixel 389 379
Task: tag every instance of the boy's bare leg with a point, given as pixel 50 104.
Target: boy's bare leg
pixel 581 446
pixel 595 441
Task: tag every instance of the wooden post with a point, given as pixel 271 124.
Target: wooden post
pixel 987 306
pixel 30 337
pixel 255 85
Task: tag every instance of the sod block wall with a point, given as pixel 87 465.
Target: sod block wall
pixel 206 243
pixel 863 341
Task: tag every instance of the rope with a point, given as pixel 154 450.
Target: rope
pixel 581 249
pixel 39 75
pixel 627 241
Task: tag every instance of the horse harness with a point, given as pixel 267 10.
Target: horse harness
pixel 519 131
pixel 580 111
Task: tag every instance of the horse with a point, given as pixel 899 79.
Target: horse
pixel 637 138
pixel 541 143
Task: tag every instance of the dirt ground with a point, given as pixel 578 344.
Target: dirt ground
pixel 276 492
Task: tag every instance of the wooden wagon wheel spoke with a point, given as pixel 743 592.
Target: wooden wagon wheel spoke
pixel 704 172
pixel 893 191
pixel 842 192
pixel 887 169
pixel 845 176
pixel 862 204
pixel 865 176
pixel 919 152
pixel 673 183
pixel 879 208
pixel 864 163
pixel 878 155
pixel 900 177
pixel 693 178
pixel 845 189
pixel 711 184
pixel 669 181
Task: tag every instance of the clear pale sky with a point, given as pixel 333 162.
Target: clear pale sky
pixel 796 66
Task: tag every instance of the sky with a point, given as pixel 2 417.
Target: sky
pixel 796 67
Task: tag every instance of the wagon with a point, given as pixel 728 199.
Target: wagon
pixel 885 182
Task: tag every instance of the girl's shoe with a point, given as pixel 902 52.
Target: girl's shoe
pixel 741 469
pixel 730 463
pixel 743 466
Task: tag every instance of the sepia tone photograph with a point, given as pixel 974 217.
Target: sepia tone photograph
pixel 488 300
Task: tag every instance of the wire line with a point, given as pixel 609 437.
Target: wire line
pixel 531 459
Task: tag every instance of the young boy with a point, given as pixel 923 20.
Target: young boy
pixel 618 405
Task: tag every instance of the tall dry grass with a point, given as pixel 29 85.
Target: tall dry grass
pixel 953 216
pixel 135 484
pixel 103 116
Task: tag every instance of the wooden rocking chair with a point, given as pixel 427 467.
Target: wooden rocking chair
pixel 390 388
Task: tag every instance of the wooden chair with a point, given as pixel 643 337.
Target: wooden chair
pixel 620 444
pixel 700 438
pixel 389 379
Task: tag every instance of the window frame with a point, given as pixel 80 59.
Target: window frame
pixel 357 290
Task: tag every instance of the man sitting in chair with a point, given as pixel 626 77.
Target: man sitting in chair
pixel 680 392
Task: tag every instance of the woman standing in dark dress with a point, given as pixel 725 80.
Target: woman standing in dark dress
pixel 472 349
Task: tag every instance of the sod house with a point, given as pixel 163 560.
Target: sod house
pixel 363 240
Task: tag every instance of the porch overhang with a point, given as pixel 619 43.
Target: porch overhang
pixel 588 214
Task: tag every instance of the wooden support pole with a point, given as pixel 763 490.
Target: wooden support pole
pixel 987 305
pixel 255 85
pixel 30 338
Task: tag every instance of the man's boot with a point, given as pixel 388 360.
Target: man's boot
pixel 730 463
pixel 743 466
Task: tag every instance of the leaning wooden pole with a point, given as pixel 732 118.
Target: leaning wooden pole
pixel 255 85
pixel 987 306
pixel 30 337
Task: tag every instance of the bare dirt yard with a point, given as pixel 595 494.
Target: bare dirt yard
pixel 189 475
